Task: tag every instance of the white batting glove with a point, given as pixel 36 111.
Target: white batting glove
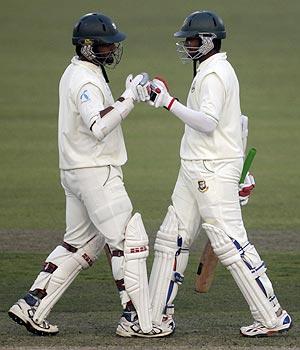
pixel 137 88
pixel 160 96
pixel 246 188
pixel 128 81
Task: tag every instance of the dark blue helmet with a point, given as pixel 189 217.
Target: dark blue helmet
pixel 202 22
pixel 94 30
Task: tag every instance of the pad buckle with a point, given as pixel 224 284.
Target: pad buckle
pixel 178 278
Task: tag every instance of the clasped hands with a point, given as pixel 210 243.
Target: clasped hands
pixel 141 89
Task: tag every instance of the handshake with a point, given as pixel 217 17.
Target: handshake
pixel 155 92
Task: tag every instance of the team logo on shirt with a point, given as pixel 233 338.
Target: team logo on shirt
pixel 202 187
pixel 84 97
pixel 193 88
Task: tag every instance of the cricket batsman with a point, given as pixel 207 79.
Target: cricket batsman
pixel 206 192
pixel 98 209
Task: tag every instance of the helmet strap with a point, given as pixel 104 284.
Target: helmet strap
pixel 104 73
pixel 194 68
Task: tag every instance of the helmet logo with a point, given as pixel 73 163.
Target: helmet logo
pixel 88 42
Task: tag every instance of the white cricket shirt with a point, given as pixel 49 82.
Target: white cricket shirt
pixel 214 91
pixel 83 93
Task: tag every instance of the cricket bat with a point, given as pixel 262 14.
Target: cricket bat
pixel 209 260
pixel 108 254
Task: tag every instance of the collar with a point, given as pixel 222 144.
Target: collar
pixel 216 57
pixel 87 65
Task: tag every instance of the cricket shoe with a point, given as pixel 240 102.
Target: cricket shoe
pixel 129 326
pixel 257 329
pixel 168 322
pixel 22 313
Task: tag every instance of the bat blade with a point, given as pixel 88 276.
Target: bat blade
pixel 108 254
pixel 206 269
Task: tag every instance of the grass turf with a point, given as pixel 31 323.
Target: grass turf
pixel 262 46
pixel 89 311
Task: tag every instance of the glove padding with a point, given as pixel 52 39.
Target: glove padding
pixel 246 188
pixel 159 87
pixel 137 88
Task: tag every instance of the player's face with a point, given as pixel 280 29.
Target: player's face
pixel 192 45
pixel 105 51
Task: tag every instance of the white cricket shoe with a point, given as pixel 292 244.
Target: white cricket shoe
pixel 22 313
pixel 284 323
pixel 128 326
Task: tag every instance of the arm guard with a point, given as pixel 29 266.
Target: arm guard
pixel 104 122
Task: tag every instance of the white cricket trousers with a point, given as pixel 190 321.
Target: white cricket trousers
pixel 207 191
pixel 96 202
pixel 98 208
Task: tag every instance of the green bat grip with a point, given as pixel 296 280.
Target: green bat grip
pixel 247 164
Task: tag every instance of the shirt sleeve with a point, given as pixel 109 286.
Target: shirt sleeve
pixel 197 120
pixel 89 103
pixel 212 96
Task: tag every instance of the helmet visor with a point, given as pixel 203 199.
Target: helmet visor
pixel 115 38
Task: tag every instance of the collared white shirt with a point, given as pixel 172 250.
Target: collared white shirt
pixel 214 91
pixel 83 93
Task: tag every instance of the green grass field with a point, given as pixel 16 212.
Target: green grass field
pixel 263 46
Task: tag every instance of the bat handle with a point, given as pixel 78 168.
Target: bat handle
pixel 247 164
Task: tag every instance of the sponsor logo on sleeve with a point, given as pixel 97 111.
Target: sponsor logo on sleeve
pixel 84 97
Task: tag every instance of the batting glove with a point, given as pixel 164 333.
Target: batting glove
pixel 245 189
pixel 137 88
pixel 160 96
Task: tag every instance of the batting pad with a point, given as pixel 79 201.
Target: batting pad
pixel 260 307
pixel 60 280
pixel 162 272
pixel 136 251
pixel 65 274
